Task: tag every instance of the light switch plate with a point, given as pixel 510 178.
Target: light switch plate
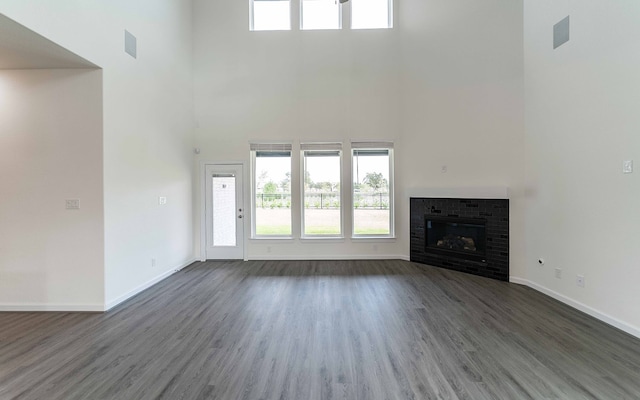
pixel 627 167
pixel 72 204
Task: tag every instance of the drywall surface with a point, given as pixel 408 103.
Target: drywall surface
pixel 582 122
pixel 445 84
pixel 463 106
pixel 148 122
pixel 292 85
pixel 51 258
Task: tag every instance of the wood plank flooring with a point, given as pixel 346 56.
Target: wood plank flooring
pixel 309 330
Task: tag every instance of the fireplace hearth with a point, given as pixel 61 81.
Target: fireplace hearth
pixel 468 235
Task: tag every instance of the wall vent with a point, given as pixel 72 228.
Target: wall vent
pixel 130 44
pixel 561 33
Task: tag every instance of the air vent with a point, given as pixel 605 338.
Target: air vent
pixel 130 44
pixel 561 33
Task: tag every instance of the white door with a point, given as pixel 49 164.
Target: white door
pixel 224 212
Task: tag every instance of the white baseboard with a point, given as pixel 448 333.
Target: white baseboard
pixel 120 299
pixel 34 307
pixel 623 326
pixel 272 257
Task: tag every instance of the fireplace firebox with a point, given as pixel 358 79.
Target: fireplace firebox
pixel 456 237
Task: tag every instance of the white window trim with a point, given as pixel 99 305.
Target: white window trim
pixel 266 146
pixel 328 146
pixel 392 223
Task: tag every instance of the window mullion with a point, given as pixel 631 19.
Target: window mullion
pixel 296 13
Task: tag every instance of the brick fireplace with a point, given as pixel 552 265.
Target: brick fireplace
pixel 467 235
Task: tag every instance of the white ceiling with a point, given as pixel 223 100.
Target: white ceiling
pixel 21 48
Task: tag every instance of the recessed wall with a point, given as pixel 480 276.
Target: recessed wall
pixel 148 127
pixel 51 258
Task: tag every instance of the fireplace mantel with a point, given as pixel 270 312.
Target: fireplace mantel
pixel 463 192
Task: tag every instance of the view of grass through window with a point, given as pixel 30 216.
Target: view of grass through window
pixel 322 214
pixel 321 197
pixel 371 192
pixel 273 193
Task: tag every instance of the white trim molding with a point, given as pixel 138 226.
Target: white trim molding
pixel 306 257
pixel 120 299
pixel 35 307
pixel 467 192
pixel 623 326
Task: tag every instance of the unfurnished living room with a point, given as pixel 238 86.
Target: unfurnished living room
pixel 319 199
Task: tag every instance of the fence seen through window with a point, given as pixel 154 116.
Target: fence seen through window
pixel 371 208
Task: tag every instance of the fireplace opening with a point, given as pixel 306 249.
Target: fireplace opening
pixel 456 237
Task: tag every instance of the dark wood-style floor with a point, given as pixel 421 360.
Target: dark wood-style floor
pixel 320 330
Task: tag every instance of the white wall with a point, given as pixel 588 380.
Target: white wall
pixel 582 121
pixel 302 85
pixel 445 84
pixel 463 104
pixel 51 150
pixel 148 122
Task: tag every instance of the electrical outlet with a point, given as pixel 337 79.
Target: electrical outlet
pixel 580 280
pixel 153 262
pixel 443 169
pixel 72 204
pixel 627 167
pixel 559 273
pixel 162 200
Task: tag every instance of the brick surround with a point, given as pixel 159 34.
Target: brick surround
pixel 496 214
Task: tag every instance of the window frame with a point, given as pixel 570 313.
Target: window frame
pixel 268 147
pixel 389 18
pixel 252 14
pixel 319 147
pixel 373 145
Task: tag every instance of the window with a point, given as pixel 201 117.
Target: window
pixel 372 188
pixel 320 14
pixel 321 210
pixel 270 15
pixel 272 189
pixel 371 14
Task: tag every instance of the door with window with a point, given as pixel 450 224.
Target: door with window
pixel 224 212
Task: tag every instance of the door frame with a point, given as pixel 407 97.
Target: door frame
pixel 203 205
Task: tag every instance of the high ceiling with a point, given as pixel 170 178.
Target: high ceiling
pixel 21 48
